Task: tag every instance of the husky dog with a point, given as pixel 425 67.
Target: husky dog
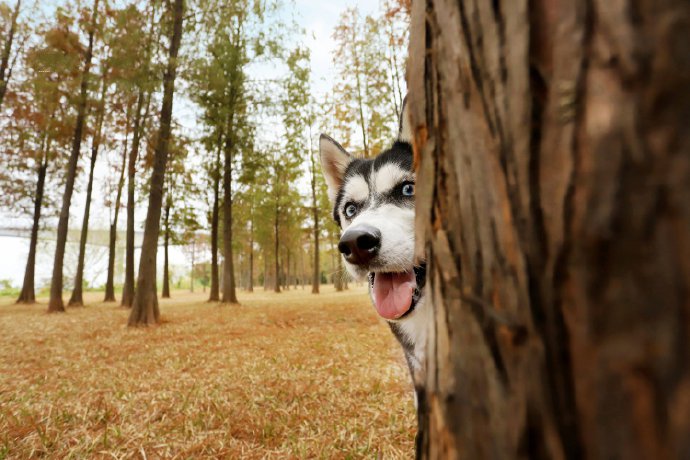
pixel 374 204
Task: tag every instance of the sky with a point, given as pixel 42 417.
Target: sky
pixel 317 17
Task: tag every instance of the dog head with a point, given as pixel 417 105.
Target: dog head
pixel 374 204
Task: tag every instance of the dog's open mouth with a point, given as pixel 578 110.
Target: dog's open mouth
pixel 396 294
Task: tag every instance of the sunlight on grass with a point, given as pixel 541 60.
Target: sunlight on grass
pixel 288 375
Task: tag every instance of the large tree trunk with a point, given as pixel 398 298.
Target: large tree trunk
pixel 55 303
pixel 139 120
pixel 7 52
pixel 166 244
pixel 229 294
pixel 110 282
pixel 77 292
pixel 553 209
pixel 214 295
pixel 28 292
pixel 145 307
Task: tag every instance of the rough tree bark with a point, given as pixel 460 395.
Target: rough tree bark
pixel 110 281
pixel 145 307
pixel 56 304
pixel 139 120
pixel 77 300
pixel 7 52
pixel 553 209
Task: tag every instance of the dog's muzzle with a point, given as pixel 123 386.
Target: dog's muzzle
pixel 360 245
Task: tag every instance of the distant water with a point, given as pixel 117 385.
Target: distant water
pixel 15 250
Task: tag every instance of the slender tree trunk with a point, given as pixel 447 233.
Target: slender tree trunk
pixel 77 299
pixel 7 52
pixel 191 274
pixel 215 294
pixel 221 269
pixel 143 102
pixel 360 98
pixel 395 73
pixel 286 282
pixel 145 308
pixel 110 283
pixel 139 120
pixel 392 64
pixel 56 303
pixel 265 271
pixel 316 277
pixel 166 243
pixel 250 286
pixel 333 264
pixel 28 292
pixel 339 279
pixel 276 247
pixel 553 209
pixel 295 276
pixel 303 280
pixel 229 294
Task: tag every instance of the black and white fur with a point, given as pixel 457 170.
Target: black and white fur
pixel 374 186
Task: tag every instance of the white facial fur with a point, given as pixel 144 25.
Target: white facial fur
pixel 396 225
pixel 356 189
pixel 395 220
pixel 389 176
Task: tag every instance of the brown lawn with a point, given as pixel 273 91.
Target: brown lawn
pixel 288 375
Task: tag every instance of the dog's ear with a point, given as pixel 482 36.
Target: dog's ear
pixel 405 130
pixel 334 162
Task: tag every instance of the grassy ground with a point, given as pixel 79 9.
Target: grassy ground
pixel 287 375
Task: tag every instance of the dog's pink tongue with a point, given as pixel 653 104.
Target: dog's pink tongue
pixel 393 293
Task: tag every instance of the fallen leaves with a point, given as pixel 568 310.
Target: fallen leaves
pixel 290 375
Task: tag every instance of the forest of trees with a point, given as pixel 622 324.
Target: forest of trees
pixel 88 96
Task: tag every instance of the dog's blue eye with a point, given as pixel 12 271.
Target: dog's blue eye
pixel 350 210
pixel 408 190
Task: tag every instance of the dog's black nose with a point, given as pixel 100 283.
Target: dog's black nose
pixel 360 245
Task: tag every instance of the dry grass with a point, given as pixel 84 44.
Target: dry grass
pixel 282 376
